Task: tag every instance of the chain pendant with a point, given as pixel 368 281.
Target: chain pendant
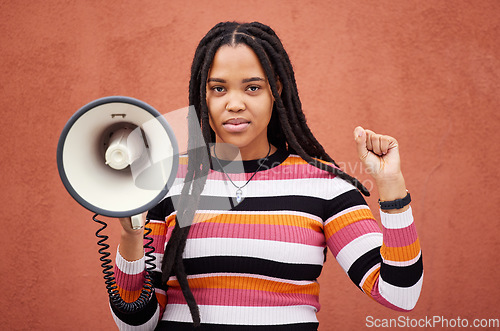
pixel 239 192
pixel 239 195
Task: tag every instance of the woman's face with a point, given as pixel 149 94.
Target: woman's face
pixel 239 100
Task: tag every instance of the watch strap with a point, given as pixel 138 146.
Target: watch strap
pixel 395 204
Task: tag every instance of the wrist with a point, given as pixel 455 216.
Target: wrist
pixel 131 246
pixel 129 234
pixel 392 188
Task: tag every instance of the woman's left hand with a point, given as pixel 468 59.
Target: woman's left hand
pixel 380 156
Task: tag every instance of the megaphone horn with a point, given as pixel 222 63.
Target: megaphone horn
pixel 117 156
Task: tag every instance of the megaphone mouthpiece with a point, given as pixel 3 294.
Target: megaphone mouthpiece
pixel 125 146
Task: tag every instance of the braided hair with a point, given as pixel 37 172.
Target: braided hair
pixel 287 129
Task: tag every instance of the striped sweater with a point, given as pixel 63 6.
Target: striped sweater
pixel 254 265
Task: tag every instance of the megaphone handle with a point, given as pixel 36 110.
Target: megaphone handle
pixel 136 222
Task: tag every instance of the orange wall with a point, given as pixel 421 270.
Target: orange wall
pixel 426 72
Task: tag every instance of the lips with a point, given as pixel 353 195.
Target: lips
pixel 236 121
pixel 236 125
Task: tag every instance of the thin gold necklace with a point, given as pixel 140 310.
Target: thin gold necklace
pixel 239 192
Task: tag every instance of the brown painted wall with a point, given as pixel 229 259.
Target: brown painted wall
pixel 426 72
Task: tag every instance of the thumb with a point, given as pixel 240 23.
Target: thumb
pixel 360 138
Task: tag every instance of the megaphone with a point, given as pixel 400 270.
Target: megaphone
pixel 118 156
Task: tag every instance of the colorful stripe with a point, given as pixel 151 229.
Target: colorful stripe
pixel 238 315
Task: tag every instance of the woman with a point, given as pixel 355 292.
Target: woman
pixel 255 265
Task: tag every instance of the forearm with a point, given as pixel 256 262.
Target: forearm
pixel 392 275
pixel 400 279
pixel 130 277
pixel 401 272
pixel 385 263
pixel 129 262
pixel 130 273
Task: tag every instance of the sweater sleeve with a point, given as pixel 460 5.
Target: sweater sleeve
pixel 385 264
pixel 401 272
pixel 130 278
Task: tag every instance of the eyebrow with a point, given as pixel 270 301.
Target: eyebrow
pixel 253 79
pixel 246 80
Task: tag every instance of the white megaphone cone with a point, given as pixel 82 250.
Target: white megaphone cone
pixel 117 156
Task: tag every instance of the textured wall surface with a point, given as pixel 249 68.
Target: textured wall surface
pixel 426 72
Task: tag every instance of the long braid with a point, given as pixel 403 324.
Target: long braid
pixel 287 129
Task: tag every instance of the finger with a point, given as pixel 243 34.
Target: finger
pixel 360 138
pixel 384 144
pixel 358 132
pixel 369 139
pixel 392 143
pixel 125 222
pixel 378 143
pixel 375 139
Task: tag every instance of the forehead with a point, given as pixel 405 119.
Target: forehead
pixel 239 60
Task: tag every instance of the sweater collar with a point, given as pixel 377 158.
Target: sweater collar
pixel 249 166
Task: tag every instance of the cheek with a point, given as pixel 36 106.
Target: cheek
pixel 214 119
pixel 214 105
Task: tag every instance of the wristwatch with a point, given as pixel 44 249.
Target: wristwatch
pixel 395 204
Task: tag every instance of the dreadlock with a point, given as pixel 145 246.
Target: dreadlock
pixel 287 130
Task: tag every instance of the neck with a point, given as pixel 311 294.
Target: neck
pixel 230 152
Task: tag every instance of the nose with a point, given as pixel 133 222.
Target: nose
pixel 235 103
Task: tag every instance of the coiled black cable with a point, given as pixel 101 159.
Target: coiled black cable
pixel 109 275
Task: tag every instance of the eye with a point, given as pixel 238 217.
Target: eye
pixel 253 88
pixel 218 89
